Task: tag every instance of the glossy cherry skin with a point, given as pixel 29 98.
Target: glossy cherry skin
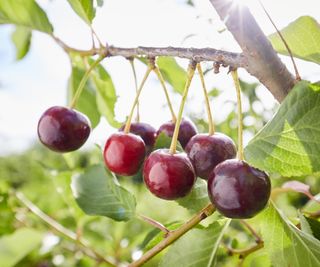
pixel 145 131
pixel 207 151
pixel 124 153
pixel 168 176
pixel 186 131
pixel 62 129
pixel 237 189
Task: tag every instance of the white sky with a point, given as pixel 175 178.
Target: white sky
pixel 39 81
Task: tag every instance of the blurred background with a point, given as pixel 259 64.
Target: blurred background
pixel 39 81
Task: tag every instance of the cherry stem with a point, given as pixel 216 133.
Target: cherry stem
pixel 62 230
pixel 157 71
pixel 83 82
pixel 154 223
pixel 235 77
pixel 174 235
pixel 131 60
pixel 190 73
pixel 252 231
pixel 128 123
pixel 206 97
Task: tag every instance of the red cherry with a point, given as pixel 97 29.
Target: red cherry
pixel 145 131
pixel 186 131
pixel 124 153
pixel 207 151
pixel 238 190
pixel 168 176
pixel 62 129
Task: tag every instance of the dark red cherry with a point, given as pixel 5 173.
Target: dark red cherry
pixel 207 151
pixel 63 129
pixel 124 153
pixel 145 131
pixel 186 131
pixel 168 176
pixel 237 189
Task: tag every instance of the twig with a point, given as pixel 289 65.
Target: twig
pixel 246 251
pixel 62 230
pixel 197 54
pixel 252 231
pixel 96 35
pixel 174 235
pixel 298 77
pixel 156 224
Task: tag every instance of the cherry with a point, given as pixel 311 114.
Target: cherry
pixel 186 131
pixel 207 151
pixel 145 131
pixel 168 176
pixel 63 129
pixel 237 189
pixel 124 153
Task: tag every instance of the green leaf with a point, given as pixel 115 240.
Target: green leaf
pixel 164 141
pixel 106 95
pixel 157 236
pixel 197 247
pixel 25 13
pixel 302 37
pixel 21 38
pixel 16 246
pixel 84 9
pixel 198 197
pixel 98 193
pixel 310 226
pixel 312 205
pixel 285 243
pixel 305 227
pixel 87 101
pixel 257 259
pixel 172 73
pixel 289 144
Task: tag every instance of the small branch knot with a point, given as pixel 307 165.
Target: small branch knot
pixel 152 62
pixel 216 67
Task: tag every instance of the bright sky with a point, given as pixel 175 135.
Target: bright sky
pixel 39 81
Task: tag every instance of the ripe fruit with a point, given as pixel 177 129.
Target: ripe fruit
pixel 168 176
pixel 145 131
pixel 238 190
pixel 207 151
pixel 186 131
pixel 63 129
pixel 124 153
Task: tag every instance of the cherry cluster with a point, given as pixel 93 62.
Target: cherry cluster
pixel 237 189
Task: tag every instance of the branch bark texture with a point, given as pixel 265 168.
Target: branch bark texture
pixel 262 60
pixel 235 60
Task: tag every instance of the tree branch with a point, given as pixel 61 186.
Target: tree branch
pixel 234 60
pixel 174 235
pixel 262 60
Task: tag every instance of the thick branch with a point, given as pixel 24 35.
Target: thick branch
pixel 196 54
pixel 235 60
pixel 262 60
